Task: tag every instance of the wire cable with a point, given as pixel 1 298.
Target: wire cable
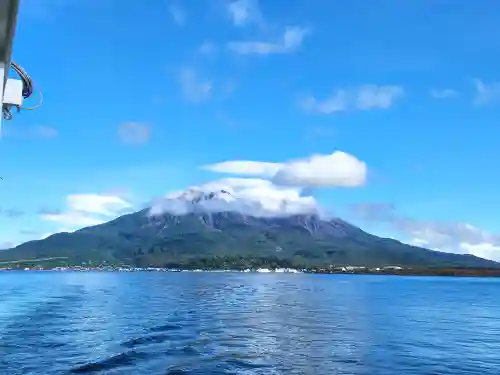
pixel 27 81
pixel 7 114
pixel 27 91
pixel 37 105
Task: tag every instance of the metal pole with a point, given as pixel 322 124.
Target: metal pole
pixel 8 20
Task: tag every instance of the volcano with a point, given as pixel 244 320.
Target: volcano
pixel 217 225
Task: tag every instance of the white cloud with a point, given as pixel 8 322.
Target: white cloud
pixel 486 93
pixel 46 235
pixel 249 196
pixel 87 209
pixel 338 102
pixel 207 48
pixel 45 132
pixel 443 93
pixel 178 14
pixel 97 204
pixel 38 131
pixel 373 96
pixel 483 250
pixel 133 133
pixel 460 238
pixel 244 12
pixel 73 219
pixel 245 167
pixel 192 87
pixel 7 245
pixel 290 41
pixel 362 98
pixel 338 169
pixel 281 191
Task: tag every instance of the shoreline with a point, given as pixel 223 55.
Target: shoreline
pixel 421 272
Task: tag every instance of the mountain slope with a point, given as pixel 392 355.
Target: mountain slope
pixel 197 232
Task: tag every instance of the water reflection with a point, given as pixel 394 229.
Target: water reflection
pixel 199 323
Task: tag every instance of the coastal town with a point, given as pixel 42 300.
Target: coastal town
pixel 122 268
pixel 128 268
pixel 353 270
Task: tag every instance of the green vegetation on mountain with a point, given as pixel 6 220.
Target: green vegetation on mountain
pixel 219 240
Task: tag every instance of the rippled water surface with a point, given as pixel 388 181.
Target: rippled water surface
pixel 221 323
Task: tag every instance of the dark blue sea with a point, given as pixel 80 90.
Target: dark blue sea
pixel 232 323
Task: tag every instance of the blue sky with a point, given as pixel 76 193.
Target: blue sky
pixel 137 98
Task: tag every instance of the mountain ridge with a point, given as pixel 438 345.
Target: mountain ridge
pixel 170 233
